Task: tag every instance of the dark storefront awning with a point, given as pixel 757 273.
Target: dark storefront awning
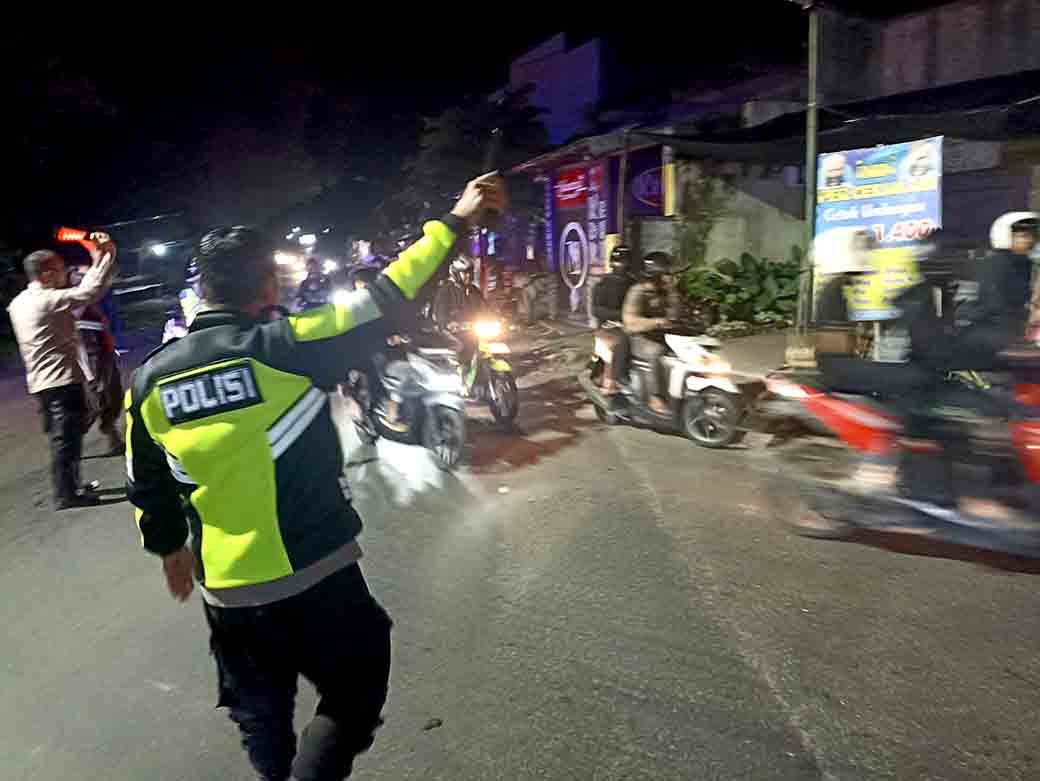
pixel 996 109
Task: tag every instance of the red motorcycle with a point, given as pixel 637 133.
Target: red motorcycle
pixel 843 461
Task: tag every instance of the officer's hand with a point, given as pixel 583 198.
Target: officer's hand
pixel 664 323
pixel 487 192
pixel 101 248
pixel 179 568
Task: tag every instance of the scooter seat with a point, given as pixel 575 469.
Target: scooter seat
pixel 435 351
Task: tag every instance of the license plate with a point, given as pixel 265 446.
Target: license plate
pixel 498 348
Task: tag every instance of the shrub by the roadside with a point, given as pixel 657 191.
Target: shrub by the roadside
pixel 751 290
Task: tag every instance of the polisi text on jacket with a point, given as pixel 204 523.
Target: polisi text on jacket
pixel 210 393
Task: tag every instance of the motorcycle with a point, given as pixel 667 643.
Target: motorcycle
pixel 489 378
pixel 708 402
pixel 429 393
pixel 834 457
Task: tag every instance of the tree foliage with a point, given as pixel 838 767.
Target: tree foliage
pixel 704 200
pixel 453 147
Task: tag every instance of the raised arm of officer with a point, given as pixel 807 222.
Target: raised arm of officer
pixel 329 339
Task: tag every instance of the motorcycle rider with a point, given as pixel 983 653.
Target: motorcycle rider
pixel 316 288
pixel 650 308
pixel 363 276
pixel 459 300
pixel 911 386
pixel 999 313
pixel 608 299
pixel 231 447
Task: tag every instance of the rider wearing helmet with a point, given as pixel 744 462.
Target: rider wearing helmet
pixel 608 299
pixel 458 298
pixel 997 316
pixel 650 308
pixel 363 276
pixel 841 256
pixel 316 288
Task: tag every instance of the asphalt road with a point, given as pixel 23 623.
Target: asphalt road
pixel 579 603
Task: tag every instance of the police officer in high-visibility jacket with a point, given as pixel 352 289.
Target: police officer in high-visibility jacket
pixel 230 444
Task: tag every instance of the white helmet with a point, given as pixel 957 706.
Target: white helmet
pixel 1000 233
pixel 843 251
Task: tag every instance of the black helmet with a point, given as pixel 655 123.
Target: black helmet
pixel 366 275
pixel 460 267
pixel 621 258
pixel 657 264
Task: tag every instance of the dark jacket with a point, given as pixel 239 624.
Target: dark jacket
pixel 608 297
pixel 1004 290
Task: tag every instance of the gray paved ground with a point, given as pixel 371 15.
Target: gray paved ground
pixel 579 603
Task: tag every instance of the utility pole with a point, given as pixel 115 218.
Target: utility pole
pixel 800 352
pixel 805 291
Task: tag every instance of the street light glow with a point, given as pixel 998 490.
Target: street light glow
pixel 329 266
pixel 308 240
pixel 159 250
pixel 286 258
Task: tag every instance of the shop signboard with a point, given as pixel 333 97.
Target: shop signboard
pixel 644 191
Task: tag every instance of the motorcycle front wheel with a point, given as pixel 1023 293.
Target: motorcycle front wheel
pixel 503 398
pixel 712 419
pixel 444 435
pixel 801 494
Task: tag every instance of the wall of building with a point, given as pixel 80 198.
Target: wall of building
pixel 954 43
pixel 763 214
pixel 567 84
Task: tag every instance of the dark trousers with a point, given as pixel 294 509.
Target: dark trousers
pixel 64 412
pixel 107 388
pixel 335 635
pixel 650 350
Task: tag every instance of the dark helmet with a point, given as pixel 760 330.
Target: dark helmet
pixel 621 259
pixel 460 267
pixel 366 275
pixel 657 264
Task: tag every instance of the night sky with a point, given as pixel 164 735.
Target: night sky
pixel 176 115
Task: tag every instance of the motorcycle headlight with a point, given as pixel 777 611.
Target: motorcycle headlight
pixel 488 329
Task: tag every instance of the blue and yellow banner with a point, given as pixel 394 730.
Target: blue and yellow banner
pixel 894 191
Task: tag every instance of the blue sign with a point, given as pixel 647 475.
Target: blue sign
pixel 894 191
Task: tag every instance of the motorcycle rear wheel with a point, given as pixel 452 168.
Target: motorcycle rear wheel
pixel 711 419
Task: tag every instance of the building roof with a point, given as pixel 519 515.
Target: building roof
pixel 991 109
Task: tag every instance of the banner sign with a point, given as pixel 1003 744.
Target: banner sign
pixel 894 191
pixel 597 214
pixel 644 188
pixel 872 296
pixel 572 189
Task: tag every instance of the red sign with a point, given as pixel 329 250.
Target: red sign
pixel 571 189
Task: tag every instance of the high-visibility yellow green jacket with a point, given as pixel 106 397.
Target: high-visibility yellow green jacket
pixel 229 436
